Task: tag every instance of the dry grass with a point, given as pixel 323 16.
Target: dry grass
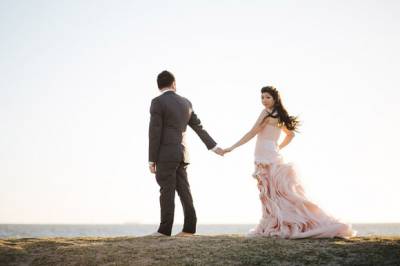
pixel 199 250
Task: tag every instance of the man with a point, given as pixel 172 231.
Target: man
pixel 168 156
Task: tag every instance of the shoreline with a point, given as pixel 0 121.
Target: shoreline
pixel 137 230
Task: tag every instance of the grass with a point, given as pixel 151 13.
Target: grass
pixel 199 250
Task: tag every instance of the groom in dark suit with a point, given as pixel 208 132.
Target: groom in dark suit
pixel 168 156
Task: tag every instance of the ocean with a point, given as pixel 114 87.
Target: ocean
pixel 113 230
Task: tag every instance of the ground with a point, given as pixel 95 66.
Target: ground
pixel 199 250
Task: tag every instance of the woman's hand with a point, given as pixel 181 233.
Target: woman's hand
pixel 228 150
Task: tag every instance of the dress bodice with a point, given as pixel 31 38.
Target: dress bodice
pixel 270 132
pixel 266 150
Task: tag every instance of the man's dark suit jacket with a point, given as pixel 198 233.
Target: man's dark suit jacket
pixel 170 115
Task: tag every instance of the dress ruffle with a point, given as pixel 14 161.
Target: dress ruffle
pixel 286 211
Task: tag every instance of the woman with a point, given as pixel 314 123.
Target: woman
pixel 286 211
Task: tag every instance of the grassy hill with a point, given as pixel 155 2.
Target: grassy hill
pixel 199 250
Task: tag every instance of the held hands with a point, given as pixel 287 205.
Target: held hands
pixel 228 150
pixel 219 151
pixel 222 152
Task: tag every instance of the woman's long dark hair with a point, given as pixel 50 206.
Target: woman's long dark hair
pixel 279 111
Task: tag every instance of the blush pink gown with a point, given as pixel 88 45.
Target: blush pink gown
pixel 286 211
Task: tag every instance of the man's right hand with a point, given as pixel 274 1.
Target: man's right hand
pixel 152 168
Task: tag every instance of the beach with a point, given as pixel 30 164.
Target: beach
pixel 199 250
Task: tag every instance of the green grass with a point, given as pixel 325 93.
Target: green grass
pixel 199 250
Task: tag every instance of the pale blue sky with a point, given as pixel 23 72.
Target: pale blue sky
pixel 78 77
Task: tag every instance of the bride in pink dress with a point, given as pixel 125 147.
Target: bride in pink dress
pixel 286 211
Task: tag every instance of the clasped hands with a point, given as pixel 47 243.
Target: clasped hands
pixel 222 152
pixel 218 150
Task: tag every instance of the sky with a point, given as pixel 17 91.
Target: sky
pixel 78 78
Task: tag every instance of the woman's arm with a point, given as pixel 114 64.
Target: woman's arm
pixel 249 135
pixel 287 139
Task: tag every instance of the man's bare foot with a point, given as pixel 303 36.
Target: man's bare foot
pixel 184 234
pixel 157 234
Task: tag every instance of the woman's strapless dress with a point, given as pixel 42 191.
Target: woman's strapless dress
pixel 286 211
